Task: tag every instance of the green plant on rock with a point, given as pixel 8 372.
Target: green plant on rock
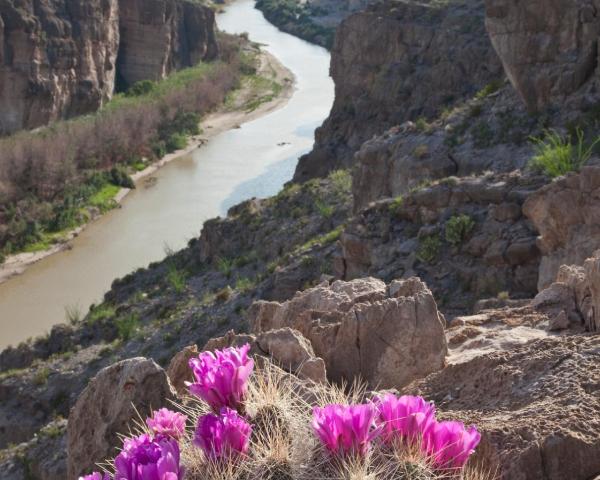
pixel 458 227
pixel 127 326
pixel 556 155
pixel 429 248
pixel 225 266
pixel 342 181
pixel 176 279
pixel 396 204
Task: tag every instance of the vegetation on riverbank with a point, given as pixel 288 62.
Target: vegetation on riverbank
pixel 297 19
pixel 55 179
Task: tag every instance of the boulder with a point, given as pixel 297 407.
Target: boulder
pixel 566 213
pixel 179 370
pixel 286 348
pixel 107 406
pixel 293 352
pixel 387 336
pixel 537 406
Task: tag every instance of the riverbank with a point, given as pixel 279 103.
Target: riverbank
pixel 242 105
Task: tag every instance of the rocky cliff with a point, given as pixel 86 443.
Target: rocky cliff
pixel 396 62
pixel 62 58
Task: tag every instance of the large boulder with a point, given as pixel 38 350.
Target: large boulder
pixel 548 47
pixel 537 405
pixel 566 213
pixel 388 335
pixel 105 409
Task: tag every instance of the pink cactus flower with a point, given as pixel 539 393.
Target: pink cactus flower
pixel 346 429
pixel 450 444
pixel 224 436
pixel 406 418
pixel 95 476
pixel 222 377
pixel 167 423
pixel 143 458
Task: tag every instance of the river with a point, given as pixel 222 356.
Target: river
pixel 233 166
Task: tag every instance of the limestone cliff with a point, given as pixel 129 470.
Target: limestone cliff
pixel 395 62
pixel 61 58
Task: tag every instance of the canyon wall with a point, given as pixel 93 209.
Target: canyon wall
pixel 395 62
pixel 62 58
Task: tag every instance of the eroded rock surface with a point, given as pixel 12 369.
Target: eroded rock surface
pixel 107 405
pixel 387 335
pixel 414 235
pixel 566 213
pixel 399 61
pixel 59 59
pixel 548 48
pixel 537 405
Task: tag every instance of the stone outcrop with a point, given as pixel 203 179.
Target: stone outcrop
pixel 59 59
pixel 548 48
pixel 537 406
pixel 285 347
pixel 387 335
pixel 566 213
pixel 179 370
pixel 413 235
pixel 399 61
pixel 106 407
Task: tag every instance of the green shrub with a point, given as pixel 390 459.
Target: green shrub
pixel 73 314
pixel 100 312
pixel 556 155
pixel 177 141
pixel 120 177
pixel 244 284
pixel 396 204
pixel 143 87
pixel 342 181
pixel 324 210
pixel 458 227
pixel 429 249
pixel 490 88
pixel 176 279
pixel 225 266
pixel 127 326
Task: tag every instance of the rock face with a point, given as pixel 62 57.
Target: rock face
pixel 537 406
pixel 548 47
pixel 415 235
pixel 386 335
pixel 107 406
pixel 566 213
pixel 161 36
pixel 59 59
pixel 395 62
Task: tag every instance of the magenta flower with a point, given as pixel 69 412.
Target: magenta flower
pixel 346 429
pixel 224 436
pixel 222 377
pixel 167 423
pixel 143 458
pixel 95 476
pixel 406 418
pixel 450 444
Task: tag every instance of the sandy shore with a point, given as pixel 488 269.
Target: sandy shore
pixel 221 120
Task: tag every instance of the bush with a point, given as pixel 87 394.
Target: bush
pixel 127 325
pixel 120 177
pixel 143 87
pixel 176 279
pixel 396 204
pixel 429 249
pixel 177 141
pixel 556 155
pixel 458 227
